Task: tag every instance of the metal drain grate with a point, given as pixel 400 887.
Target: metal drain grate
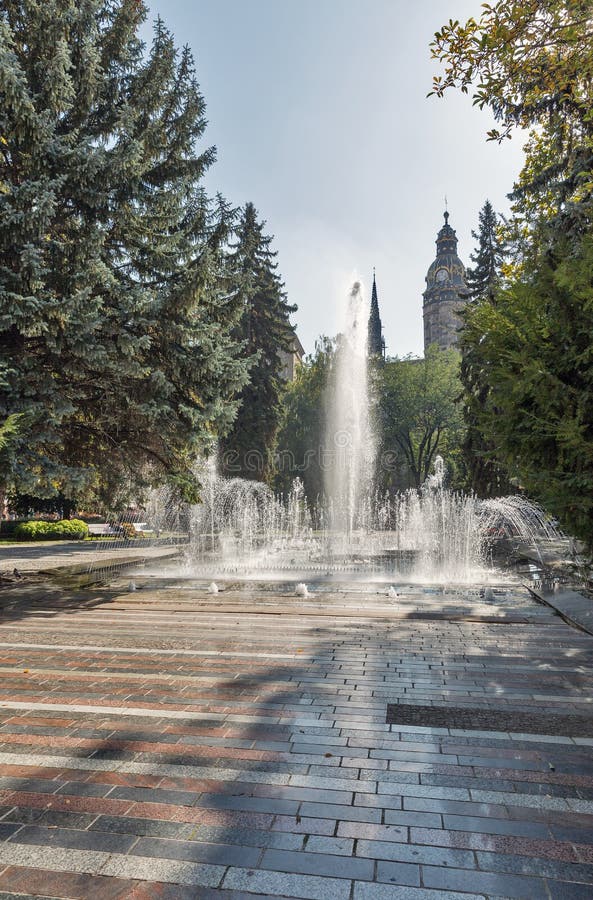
pixel 471 719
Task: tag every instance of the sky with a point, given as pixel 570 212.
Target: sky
pixel 319 114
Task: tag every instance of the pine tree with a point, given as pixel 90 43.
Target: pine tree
pixel 265 329
pixel 115 323
pixel 487 257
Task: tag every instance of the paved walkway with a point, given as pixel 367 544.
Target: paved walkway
pixel 45 556
pixel 177 745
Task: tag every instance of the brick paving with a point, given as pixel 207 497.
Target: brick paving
pixel 174 745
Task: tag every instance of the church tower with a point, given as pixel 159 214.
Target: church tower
pixel 376 341
pixel 446 292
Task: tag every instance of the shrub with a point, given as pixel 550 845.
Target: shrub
pixel 64 530
pixel 72 529
pixel 128 530
pixel 31 531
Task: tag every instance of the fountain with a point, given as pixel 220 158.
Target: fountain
pixel 242 530
pixel 349 457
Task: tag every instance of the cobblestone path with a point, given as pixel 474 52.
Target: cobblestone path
pixel 163 744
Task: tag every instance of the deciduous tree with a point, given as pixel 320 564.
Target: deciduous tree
pixel 419 414
pixel 531 63
pixel 301 436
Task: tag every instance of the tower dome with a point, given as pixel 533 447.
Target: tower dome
pixel 446 292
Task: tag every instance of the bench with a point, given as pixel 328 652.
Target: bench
pixel 142 528
pixel 103 529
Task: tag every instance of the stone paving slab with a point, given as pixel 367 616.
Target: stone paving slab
pixel 167 744
pixel 575 607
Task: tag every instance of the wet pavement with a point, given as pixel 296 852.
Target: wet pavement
pixel 176 744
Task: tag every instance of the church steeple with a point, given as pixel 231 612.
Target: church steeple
pixel 376 342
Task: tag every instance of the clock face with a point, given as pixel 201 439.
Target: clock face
pixel 442 275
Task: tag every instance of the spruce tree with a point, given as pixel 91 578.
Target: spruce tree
pixel 115 323
pixel 487 257
pixel 265 330
pixel 486 475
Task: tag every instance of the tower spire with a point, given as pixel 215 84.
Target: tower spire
pixel 376 343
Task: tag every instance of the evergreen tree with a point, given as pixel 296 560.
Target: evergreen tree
pixel 534 345
pixel 115 322
pixel 487 257
pixel 486 476
pixel 265 330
